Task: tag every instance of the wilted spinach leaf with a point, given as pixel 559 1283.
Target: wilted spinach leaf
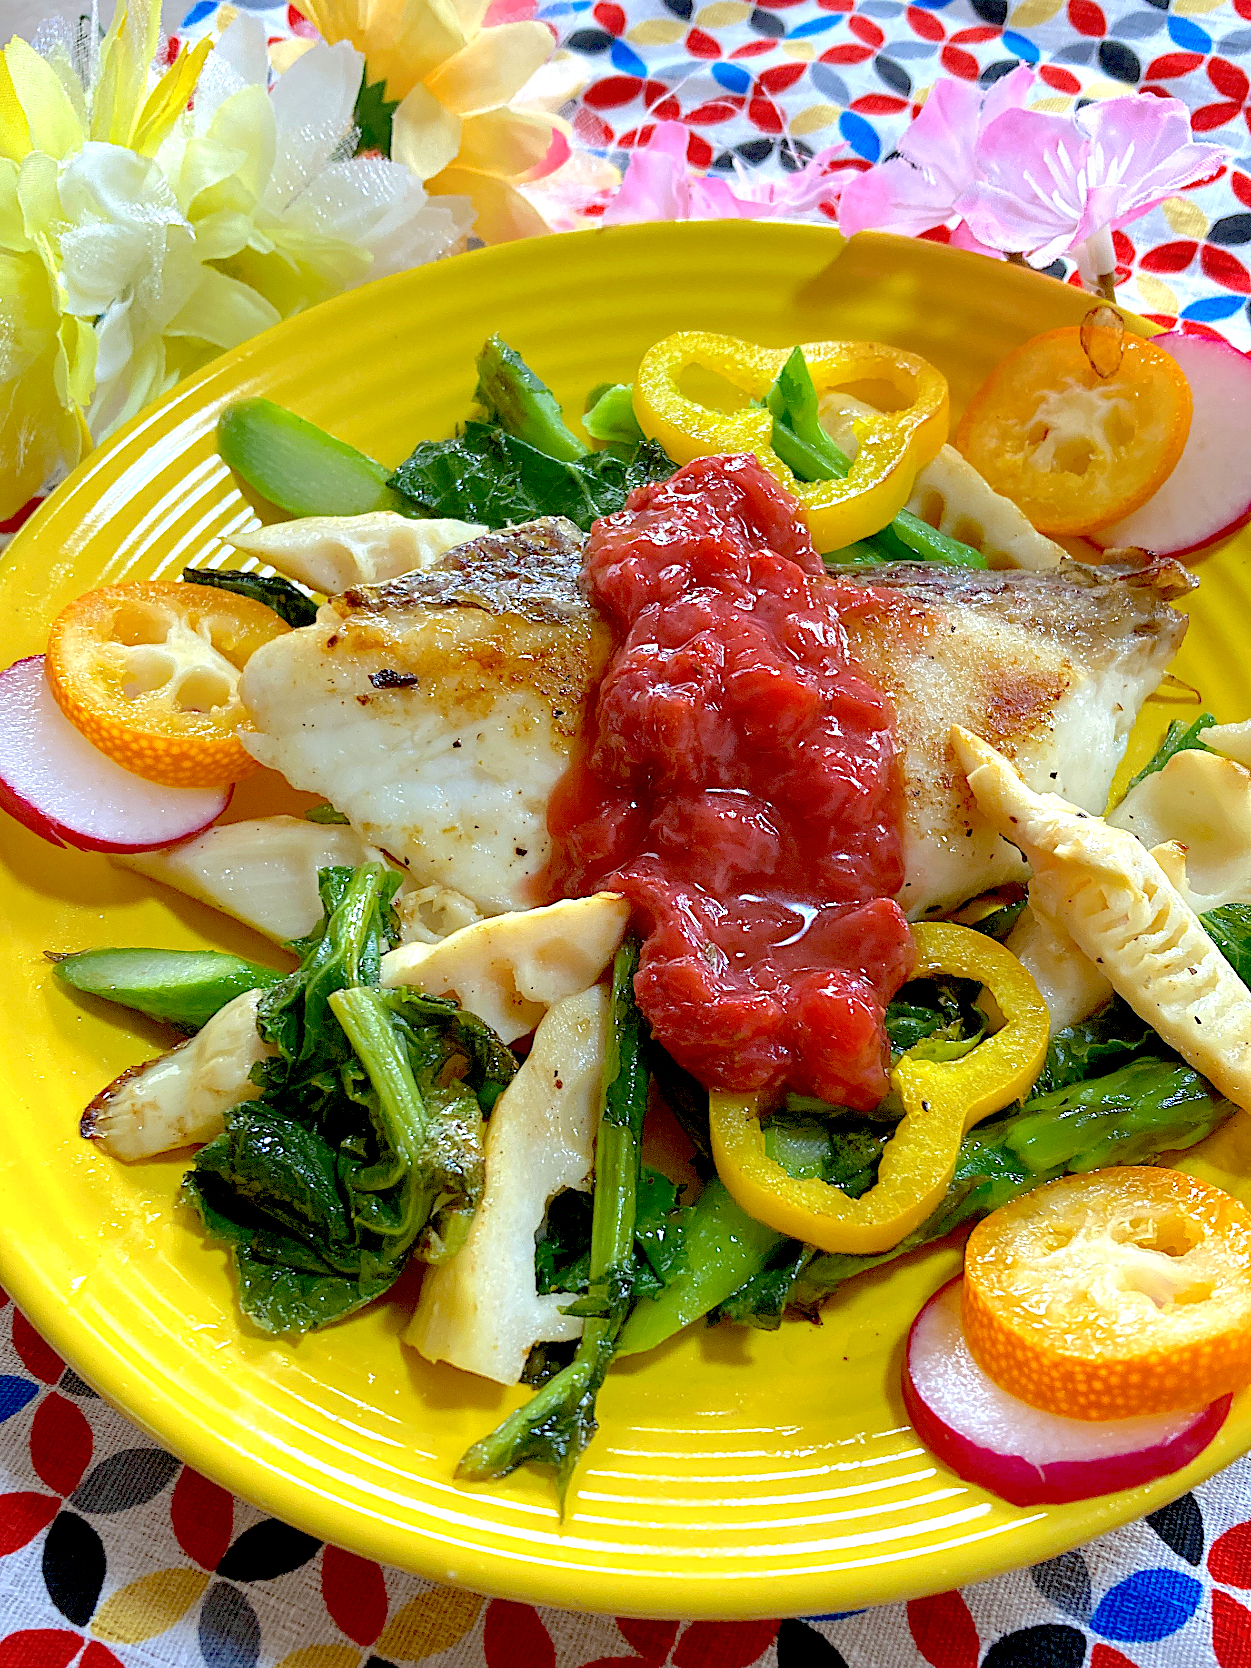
pixel 1229 928
pixel 288 601
pixel 488 476
pixel 364 1145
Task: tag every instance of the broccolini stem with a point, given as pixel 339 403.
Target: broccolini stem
pixel 366 1022
pixel 511 395
pixel 611 418
pixel 811 455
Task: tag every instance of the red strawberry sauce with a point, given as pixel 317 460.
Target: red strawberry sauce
pixel 741 788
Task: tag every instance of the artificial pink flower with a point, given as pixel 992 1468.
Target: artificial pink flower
pixel 660 184
pixel 1046 184
pixel 922 187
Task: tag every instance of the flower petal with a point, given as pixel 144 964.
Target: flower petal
pixel 14 128
pixel 1010 92
pixel 13 235
pixel 222 311
pixel 1140 153
pixel 656 187
pixel 562 198
pixel 493 67
pixel 122 80
pixel 425 136
pixel 430 33
pixel 1030 192
pixel 54 126
pixel 169 98
pixel 894 197
pixel 502 212
pixel 505 144
pixel 318 91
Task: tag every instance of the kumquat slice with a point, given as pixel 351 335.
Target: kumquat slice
pixel 1112 1294
pixel 1078 427
pixel 149 673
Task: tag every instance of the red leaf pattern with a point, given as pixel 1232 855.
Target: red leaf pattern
pixel 60 1443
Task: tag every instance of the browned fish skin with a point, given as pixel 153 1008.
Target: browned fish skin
pixel 532 570
pixel 438 710
pixel 1052 667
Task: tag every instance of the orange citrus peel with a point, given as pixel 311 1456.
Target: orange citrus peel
pixel 1113 1294
pixel 149 673
pixel 1073 439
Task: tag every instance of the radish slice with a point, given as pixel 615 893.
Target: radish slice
pixel 55 782
pixel 1026 1456
pixel 1209 492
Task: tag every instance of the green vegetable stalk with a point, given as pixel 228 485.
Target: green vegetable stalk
pixel 809 453
pixel 1131 1116
pixel 298 466
pixel 725 1248
pixel 184 988
pixel 747 1272
pixel 510 396
pixel 610 415
pixel 556 1425
pixel 365 1144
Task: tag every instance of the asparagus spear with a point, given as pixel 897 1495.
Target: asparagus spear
pixel 1130 1116
pixel 557 1423
pixel 184 988
pixel 299 467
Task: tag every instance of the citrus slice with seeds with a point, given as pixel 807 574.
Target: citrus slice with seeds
pixel 1113 1294
pixel 149 673
pixel 1075 441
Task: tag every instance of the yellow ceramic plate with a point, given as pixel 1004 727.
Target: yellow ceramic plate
pixel 736 1473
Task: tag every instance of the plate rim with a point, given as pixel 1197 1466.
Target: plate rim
pixel 682 1595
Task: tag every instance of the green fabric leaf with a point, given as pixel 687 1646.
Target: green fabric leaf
pixel 373 116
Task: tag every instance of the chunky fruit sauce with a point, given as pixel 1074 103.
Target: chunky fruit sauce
pixel 741 787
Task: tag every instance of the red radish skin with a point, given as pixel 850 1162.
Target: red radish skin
pixel 1025 1456
pixel 59 786
pixel 1208 495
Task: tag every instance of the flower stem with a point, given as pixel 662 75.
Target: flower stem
pixel 1096 261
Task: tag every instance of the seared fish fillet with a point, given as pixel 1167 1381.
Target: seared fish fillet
pixel 1051 667
pixel 437 711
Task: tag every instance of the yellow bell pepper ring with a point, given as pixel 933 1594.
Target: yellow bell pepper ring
pixel 942 1100
pixel 892 445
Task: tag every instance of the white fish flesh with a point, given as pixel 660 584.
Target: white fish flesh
pixel 438 711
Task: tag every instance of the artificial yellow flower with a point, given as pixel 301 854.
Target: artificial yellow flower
pixel 139 238
pixel 48 353
pixel 456 127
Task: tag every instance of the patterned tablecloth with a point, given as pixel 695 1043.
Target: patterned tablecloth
pixel 113 1552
